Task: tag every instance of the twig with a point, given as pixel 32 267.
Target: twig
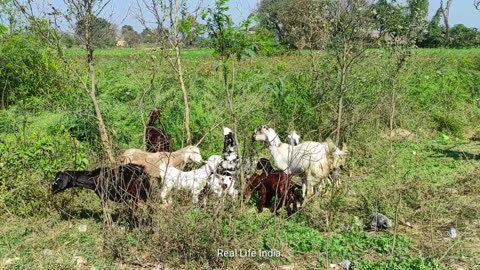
pixel 396 224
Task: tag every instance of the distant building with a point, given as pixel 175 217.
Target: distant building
pixel 121 43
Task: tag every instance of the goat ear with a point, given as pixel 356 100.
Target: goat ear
pixel 330 144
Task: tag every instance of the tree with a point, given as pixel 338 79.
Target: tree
pixel 433 36
pixel 130 36
pixel 301 23
pixel 268 15
pixel 445 14
pixel 399 33
pixel 464 37
pixel 148 36
pixel 104 34
pixel 350 26
pixel 170 11
pixel 190 29
pixel 304 23
pixel 7 16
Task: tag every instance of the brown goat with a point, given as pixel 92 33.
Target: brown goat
pixel 156 140
pixel 273 184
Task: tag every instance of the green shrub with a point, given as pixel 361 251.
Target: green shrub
pixel 27 168
pixel 450 123
pixel 29 69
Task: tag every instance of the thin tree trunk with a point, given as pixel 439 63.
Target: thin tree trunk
pixel 4 102
pixel 93 95
pixel 340 103
pixel 235 128
pixel 393 101
pixel 445 13
pixel 185 96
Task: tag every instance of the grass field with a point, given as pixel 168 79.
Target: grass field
pixel 425 183
pixel 136 51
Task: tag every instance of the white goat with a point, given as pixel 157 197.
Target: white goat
pixel 152 161
pixel 313 160
pixel 193 180
pixel 223 184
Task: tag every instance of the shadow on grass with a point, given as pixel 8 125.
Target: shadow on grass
pixel 455 154
pixel 86 214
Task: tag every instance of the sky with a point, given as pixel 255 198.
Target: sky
pixel 124 12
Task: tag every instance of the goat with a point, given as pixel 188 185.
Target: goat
pixel 194 180
pixel 273 184
pixel 313 160
pixel 220 184
pixel 230 161
pixel 223 180
pixel 126 183
pixel 156 140
pixel 152 161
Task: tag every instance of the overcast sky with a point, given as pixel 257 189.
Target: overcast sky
pixel 124 11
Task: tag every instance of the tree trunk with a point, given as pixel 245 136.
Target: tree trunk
pixel 185 96
pixel 340 103
pixel 393 100
pixel 93 95
pixel 445 13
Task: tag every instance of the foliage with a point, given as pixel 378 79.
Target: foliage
pixel 29 68
pixel 391 17
pixel 464 37
pixel 434 33
pixel 305 23
pixel 131 37
pixel 28 163
pixel 299 24
pixel 227 40
pixel 191 30
pixel 104 33
pixel 269 18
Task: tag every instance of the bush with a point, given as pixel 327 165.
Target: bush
pixel 27 167
pixel 450 123
pixel 28 68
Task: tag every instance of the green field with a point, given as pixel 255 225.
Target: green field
pixel 426 183
pixel 136 51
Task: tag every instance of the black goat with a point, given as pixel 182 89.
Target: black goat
pixel 122 184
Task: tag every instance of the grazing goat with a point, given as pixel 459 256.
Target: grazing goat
pixel 223 184
pixel 223 181
pixel 194 180
pixel 156 140
pixel 152 161
pixel 230 161
pixel 124 183
pixel 273 184
pixel 313 160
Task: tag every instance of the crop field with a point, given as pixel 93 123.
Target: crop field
pixel 426 182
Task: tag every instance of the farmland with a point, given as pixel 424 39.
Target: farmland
pixel 426 182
